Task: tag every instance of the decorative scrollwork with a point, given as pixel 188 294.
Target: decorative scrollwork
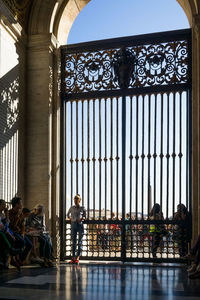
pixel 163 63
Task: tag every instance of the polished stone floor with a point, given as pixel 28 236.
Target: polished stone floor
pixel 99 281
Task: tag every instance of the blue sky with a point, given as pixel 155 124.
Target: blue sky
pixel 101 19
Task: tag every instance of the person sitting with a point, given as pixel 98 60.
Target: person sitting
pixel 194 269
pixel 17 226
pixel 37 228
pixel 5 234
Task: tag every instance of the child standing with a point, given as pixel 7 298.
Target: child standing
pixel 77 215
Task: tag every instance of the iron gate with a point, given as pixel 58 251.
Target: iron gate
pixel 125 145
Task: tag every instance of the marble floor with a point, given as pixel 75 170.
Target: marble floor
pixel 99 281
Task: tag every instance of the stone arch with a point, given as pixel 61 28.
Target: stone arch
pixel 49 24
pixel 58 16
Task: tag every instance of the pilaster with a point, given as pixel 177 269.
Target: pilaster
pixel 39 121
pixel 196 127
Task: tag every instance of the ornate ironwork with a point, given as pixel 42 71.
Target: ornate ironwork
pixel 151 63
pixel 123 67
pixel 122 110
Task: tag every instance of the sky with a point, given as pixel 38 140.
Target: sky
pixel 102 19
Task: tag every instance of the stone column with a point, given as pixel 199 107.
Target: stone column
pixel 21 51
pixel 196 127
pixel 39 148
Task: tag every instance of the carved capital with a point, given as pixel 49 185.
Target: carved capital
pixel 20 9
pixel 38 42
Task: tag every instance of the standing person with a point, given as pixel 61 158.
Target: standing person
pixel 155 229
pixel 77 215
pixel 128 233
pixel 18 228
pixel 182 231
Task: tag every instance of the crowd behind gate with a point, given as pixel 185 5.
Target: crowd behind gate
pixel 108 236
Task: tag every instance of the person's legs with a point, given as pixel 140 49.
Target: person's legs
pixel 42 243
pixel 195 247
pixel 19 241
pixel 80 239
pixel 28 247
pixel 155 243
pixel 4 241
pixel 74 231
pixel 48 249
pixel 45 250
pixel 5 248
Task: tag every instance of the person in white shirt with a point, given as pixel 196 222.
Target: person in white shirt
pixel 77 215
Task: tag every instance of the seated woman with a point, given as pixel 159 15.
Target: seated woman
pixel 7 239
pixel 36 227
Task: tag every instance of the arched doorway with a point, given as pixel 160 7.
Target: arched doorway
pixel 100 127
pixel 191 10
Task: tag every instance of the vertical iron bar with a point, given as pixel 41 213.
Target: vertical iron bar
pixel 94 159
pixel 105 158
pixel 174 148
pixel 143 156
pixel 180 146
pixel 83 160
pixel 117 158
pixel 187 147
pixel 131 152
pixel 100 158
pixel 72 152
pixel 168 157
pixel 111 158
pixel 77 120
pixel 88 160
pixel 155 144
pixel 136 157
pixel 149 149
pixel 123 248
pixel 161 154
